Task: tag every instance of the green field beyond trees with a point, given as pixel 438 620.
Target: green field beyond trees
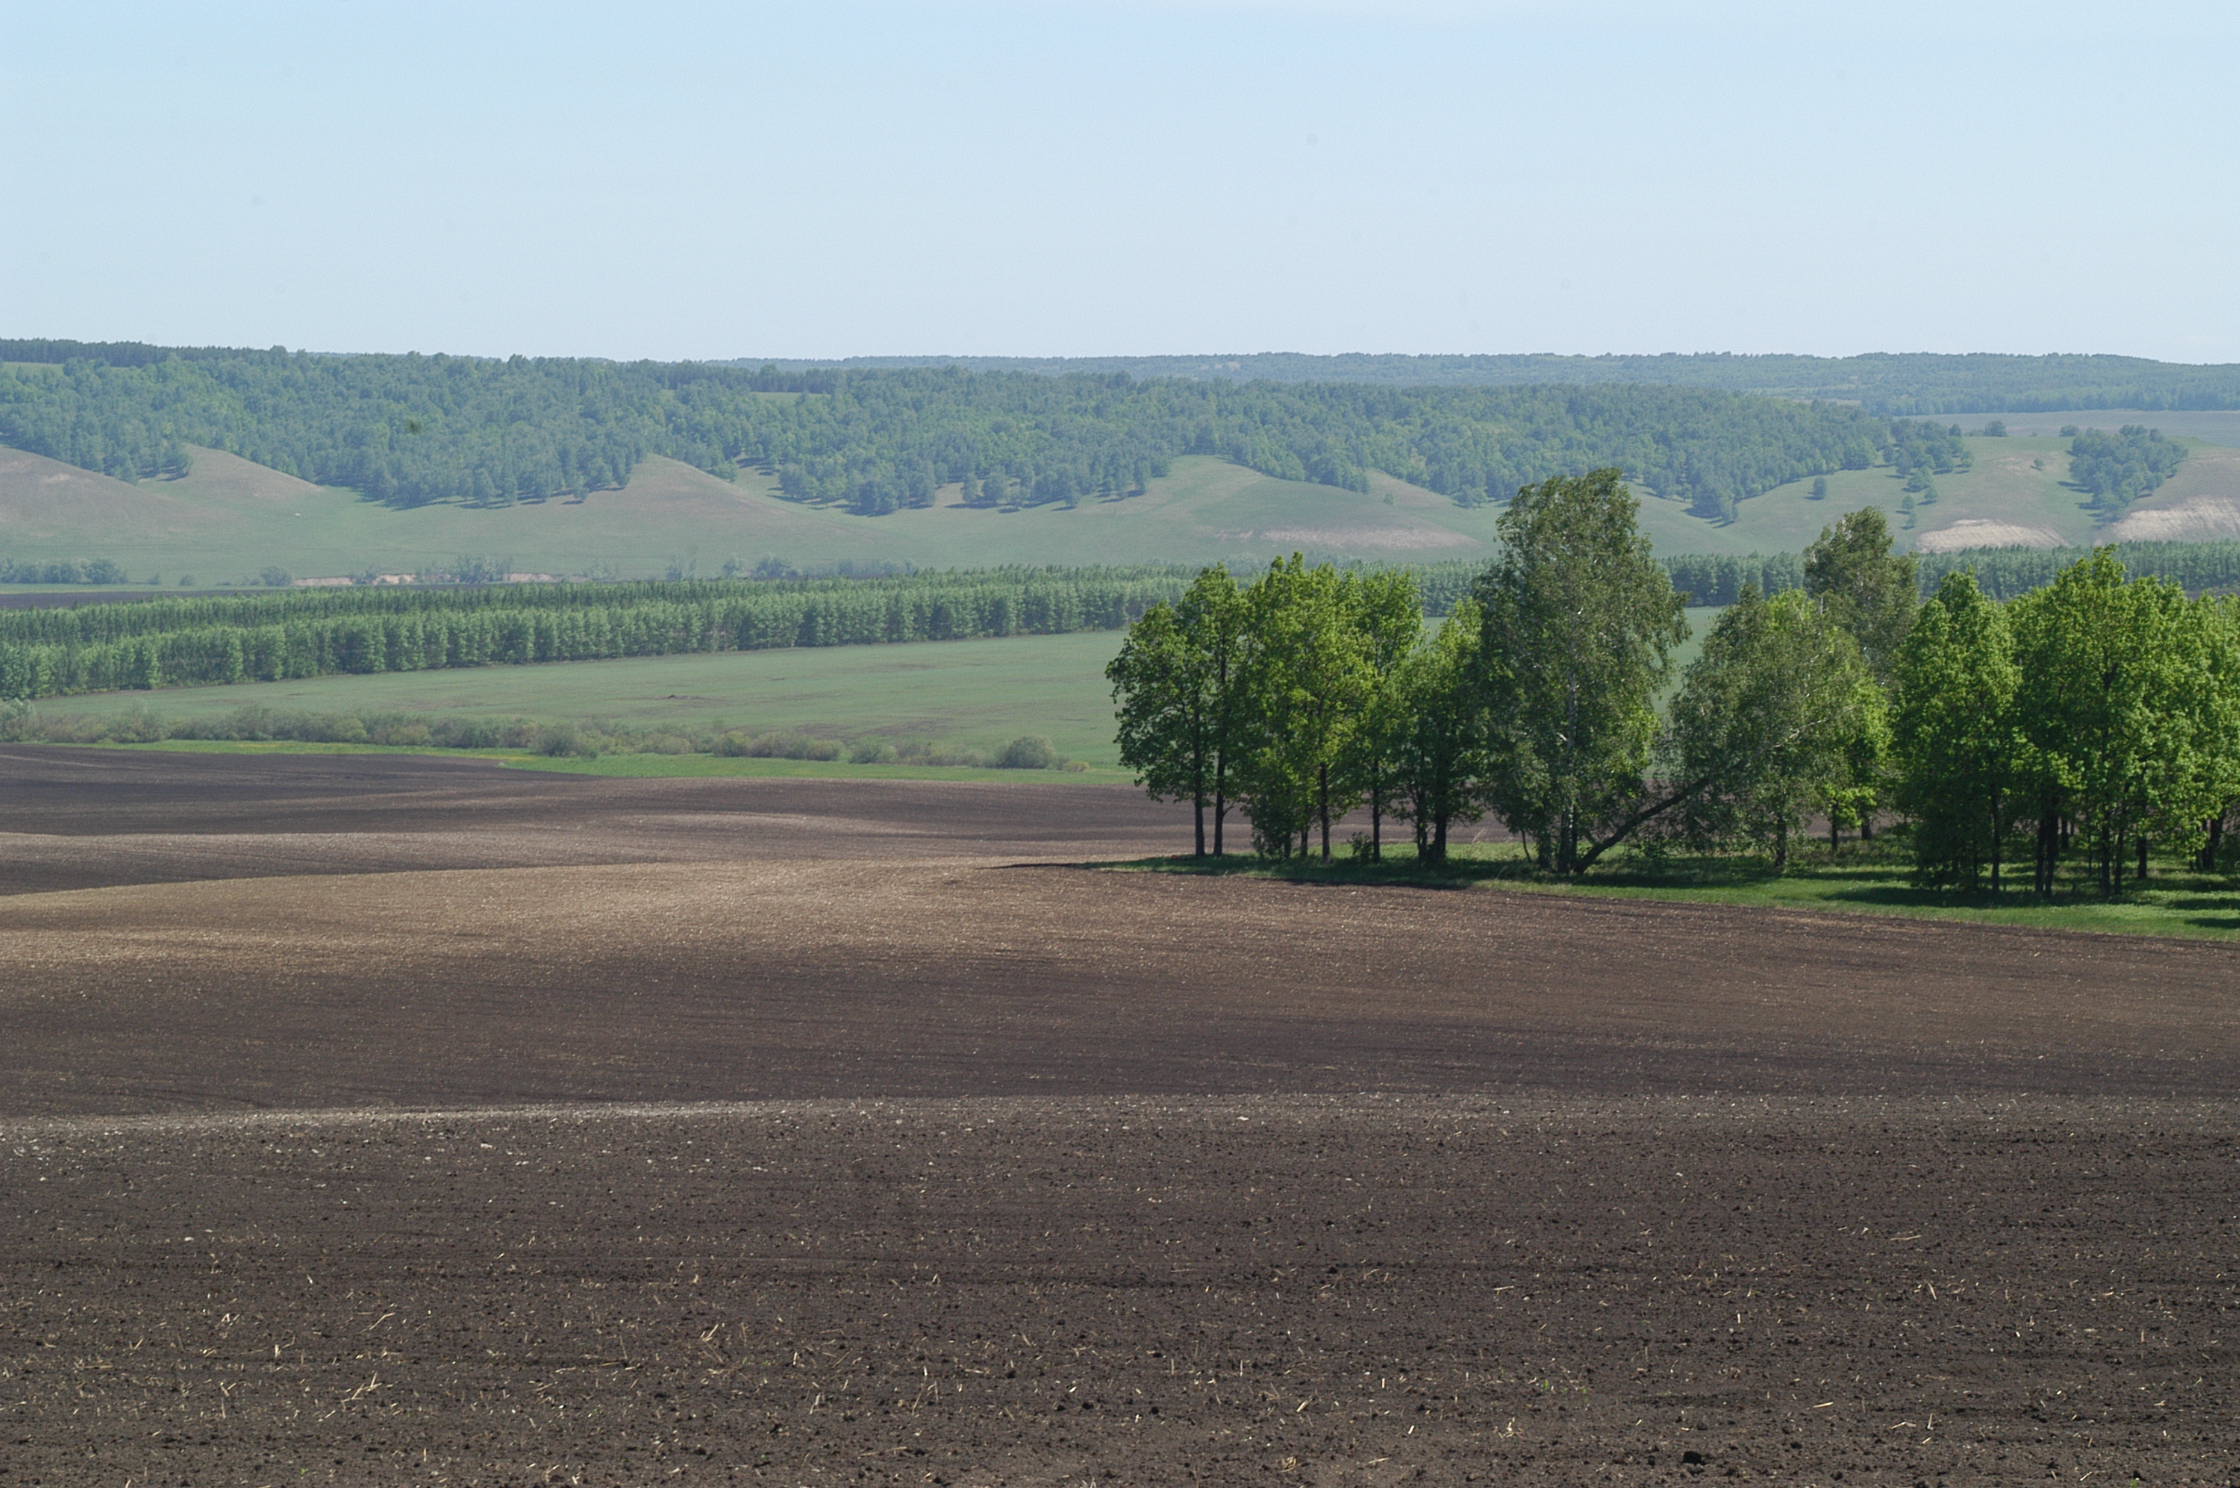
pixel 972 695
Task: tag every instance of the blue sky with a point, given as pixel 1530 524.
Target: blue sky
pixel 1075 177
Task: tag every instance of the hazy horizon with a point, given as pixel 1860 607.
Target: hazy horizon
pixel 1101 178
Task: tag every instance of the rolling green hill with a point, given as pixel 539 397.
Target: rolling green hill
pixel 228 520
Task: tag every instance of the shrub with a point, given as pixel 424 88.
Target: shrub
pixel 1029 752
pixel 555 740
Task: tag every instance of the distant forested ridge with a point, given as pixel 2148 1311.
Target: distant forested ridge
pixel 413 430
pixel 1889 383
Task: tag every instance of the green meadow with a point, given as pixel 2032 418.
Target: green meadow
pixel 978 694
pixel 1858 878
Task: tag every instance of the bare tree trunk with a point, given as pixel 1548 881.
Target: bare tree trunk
pixel 1996 844
pixel 1376 817
pixel 1322 807
pixel 2142 857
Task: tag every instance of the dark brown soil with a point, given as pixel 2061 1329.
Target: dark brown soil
pixel 382 1121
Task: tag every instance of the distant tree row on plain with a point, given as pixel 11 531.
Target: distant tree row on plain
pixel 2076 723
pixel 60 571
pixel 412 430
pixel 191 641
pixel 1890 383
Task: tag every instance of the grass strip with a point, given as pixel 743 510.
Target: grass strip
pixel 1861 878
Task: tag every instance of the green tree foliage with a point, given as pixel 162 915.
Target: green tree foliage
pixel 1579 622
pixel 2007 572
pixel 1438 744
pixel 1956 740
pixel 1387 610
pixel 410 430
pixel 1174 690
pixel 2105 710
pixel 1867 589
pixel 64 571
pixel 2122 467
pixel 1881 382
pixel 2123 712
pixel 1767 722
pixel 1307 683
pixel 311 633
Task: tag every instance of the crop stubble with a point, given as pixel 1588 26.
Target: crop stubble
pixel 386 1120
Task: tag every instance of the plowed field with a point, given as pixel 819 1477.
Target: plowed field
pixel 387 1120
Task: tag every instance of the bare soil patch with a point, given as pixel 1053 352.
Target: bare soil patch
pixel 382 1120
pixel 1983 532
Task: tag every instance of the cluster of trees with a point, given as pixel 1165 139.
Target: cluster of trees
pixel 2096 715
pixel 2120 468
pixel 411 430
pixel 60 571
pixel 2083 719
pixel 1907 383
pixel 312 633
pixel 1285 696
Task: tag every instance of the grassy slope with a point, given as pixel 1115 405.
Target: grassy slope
pixel 229 519
pixel 980 694
pixel 1204 510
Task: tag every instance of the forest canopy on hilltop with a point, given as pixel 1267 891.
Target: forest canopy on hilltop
pixel 1889 383
pixel 414 430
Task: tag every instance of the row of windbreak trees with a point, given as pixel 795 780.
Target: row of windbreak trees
pixel 312 633
pixel 2084 719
